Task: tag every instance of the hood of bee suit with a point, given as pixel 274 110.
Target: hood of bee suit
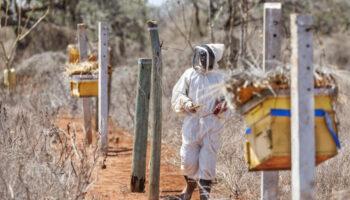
pixel 206 57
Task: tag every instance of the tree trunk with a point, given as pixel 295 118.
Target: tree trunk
pixel 211 13
pixel 198 22
pixel 122 44
pixel 72 8
pixel 232 40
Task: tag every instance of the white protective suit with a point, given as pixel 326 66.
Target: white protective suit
pixel 201 130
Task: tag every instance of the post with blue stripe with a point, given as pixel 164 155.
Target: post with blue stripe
pixel 302 108
pixel 271 58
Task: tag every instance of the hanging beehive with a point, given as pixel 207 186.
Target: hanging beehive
pixel 83 83
pixel 84 86
pixel 268 135
pixel 264 99
pixel 10 77
pixel 84 76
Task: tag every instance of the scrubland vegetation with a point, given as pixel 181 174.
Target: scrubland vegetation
pixel 38 160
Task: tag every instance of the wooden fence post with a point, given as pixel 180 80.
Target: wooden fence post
pixel 96 114
pixel 87 103
pixel 302 104
pixel 103 84
pixel 272 35
pixel 156 140
pixel 109 77
pixel 269 185
pixel 271 56
pixel 138 172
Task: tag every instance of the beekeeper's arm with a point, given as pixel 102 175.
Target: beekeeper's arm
pixel 180 102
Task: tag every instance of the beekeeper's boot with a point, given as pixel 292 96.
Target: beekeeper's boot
pixel 190 186
pixel 204 189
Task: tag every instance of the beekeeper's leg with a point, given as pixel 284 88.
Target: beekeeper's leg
pixel 191 184
pixel 208 156
pixel 207 163
pixel 204 189
pixel 189 158
pixel 189 164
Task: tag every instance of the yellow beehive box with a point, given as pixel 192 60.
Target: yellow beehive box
pixel 10 77
pixel 268 144
pixel 84 86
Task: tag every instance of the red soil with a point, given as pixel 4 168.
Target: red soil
pixel 114 181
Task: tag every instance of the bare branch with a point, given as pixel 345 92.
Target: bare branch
pixel 77 156
pixel 4 54
pixel 27 20
pixel 6 17
pixel 188 40
pixel 36 24
pixel 20 37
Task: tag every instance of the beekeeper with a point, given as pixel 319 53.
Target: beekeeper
pixel 199 96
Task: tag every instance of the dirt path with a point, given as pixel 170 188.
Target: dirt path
pixel 114 181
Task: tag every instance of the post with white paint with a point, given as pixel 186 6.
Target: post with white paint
pixel 103 84
pixel 87 102
pixel 271 56
pixel 302 104
pixel 272 35
pixel 156 136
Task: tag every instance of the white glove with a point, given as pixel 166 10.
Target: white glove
pixel 189 107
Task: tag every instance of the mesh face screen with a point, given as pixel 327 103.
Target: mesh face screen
pixel 203 58
pixel 211 57
pixel 200 60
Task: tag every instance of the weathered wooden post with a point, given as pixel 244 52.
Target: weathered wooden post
pixel 269 185
pixel 156 140
pixel 96 114
pixel 109 77
pixel 272 35
pixel 138 172
pixel 302 104
pixel 271 56
pixel 83 56
pixel 103 84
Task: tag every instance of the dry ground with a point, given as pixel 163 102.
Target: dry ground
pixel 114 181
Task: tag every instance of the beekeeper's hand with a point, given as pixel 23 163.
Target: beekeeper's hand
pixel 220 107
pixel 189 107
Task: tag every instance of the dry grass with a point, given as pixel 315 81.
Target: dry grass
pixel 82 68
pixel 251 80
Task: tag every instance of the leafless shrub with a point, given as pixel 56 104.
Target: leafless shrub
pixel 123 96
pixel 39 160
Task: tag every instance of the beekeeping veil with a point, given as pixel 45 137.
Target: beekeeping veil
pixel 207 56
